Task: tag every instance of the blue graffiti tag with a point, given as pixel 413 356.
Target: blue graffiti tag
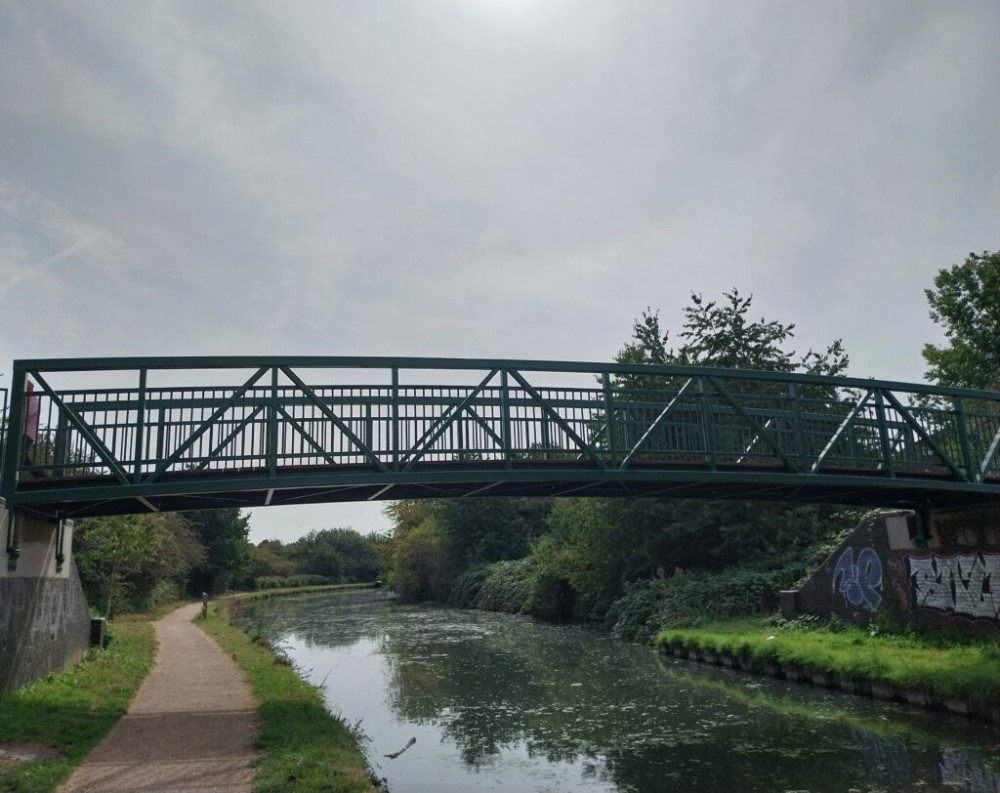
pixel 861 582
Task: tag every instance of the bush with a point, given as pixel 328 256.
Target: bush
pixel 633 616
pixel 505 587
pixel 693 598
pixel 465 589
pixel 551 597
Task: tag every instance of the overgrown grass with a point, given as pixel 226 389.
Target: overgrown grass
pixel 74 710
pixel 968 668
pixel 307 750
pixel 264 594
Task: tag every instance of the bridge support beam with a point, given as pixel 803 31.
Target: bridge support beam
pixel 932 569
pixel 44 620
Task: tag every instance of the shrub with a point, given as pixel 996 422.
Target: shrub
pixel 634 615
pixel 550 597
pixel 693 598
pixel 465 589
pixel 505 586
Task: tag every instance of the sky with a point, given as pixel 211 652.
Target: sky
pixel 485 178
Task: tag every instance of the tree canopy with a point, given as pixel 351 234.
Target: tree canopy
pixel 965 301
pixel 224 533
pixel 721 333
pixel 135 561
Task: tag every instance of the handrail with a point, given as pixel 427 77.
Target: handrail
pixel 388 362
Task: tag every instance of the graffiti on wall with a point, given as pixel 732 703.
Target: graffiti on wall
pixel 15 603
pixel 859 583
pixel 967 584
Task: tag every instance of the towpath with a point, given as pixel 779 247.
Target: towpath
pixel 190 728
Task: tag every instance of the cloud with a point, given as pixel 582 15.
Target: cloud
pixel 34 271
pixel 509 179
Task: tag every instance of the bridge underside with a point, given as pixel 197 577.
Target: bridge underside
pixel 312 485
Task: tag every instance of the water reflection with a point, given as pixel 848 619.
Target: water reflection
pixel 504 703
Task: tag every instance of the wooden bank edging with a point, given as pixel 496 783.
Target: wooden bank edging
pixel 985 710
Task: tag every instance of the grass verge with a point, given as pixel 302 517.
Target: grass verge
pixel 306 749
pixel 74 710
pixel 958 669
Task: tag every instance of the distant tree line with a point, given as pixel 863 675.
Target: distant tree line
pixel 136 562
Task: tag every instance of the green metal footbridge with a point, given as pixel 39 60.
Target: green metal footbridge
pixel 106 436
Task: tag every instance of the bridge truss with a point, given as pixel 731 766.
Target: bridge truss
pixel 110 436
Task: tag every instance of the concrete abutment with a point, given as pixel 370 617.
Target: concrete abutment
pixel 44 620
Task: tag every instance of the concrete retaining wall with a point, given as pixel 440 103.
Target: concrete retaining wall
pixel 44 621
pixel 880 570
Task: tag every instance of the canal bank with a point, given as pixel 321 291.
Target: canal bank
pixel 961 675
pixel 303 745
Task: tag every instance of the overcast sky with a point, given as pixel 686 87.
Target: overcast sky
pixel 485 178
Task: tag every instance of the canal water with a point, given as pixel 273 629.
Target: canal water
pixel 501 702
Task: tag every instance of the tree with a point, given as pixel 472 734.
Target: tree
pixel 111 550
pixel 721 334
pixel 268 559
pixel 965 301
pixel 408 514
pixel 418 562
pixel 340 554
pixel 483 530
pixel 224 533
pixel 135 560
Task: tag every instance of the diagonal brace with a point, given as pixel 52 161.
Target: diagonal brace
pixel 205 425
pixel 990 454
pixel 486 427
pixel 85 430
pixel 444 421
pixel 559 420
pixel 659 420
pixel 858 407
pixel 908 417
pixel 297 426
pixel 339 422
pixel 756 439
pixel 226 441
pixel 762 433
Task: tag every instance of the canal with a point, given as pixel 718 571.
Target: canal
pixel 501 702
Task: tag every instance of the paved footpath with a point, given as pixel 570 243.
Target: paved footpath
pixel 190 728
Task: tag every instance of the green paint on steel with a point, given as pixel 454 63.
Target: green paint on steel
pixel 302 430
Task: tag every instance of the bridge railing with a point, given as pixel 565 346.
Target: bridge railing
pixel 266 417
